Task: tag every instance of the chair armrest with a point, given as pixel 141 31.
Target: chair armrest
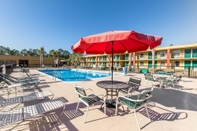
pixel 137 101
pixel 132 92
pixel 89 89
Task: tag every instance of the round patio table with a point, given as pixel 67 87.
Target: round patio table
pixel 112 89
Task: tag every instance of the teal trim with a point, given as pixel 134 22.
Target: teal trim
pixel 194 53
pixel 194 64
pixel 155 55
pixel 117 64
pixel 104 58
pixel 150 55
pixel 104 64
pixel 117 57
pixel 126 57
pixel 187 53
pixel 187 64
pixel 94 58
pixel 149 64
pixel 126 64
pixel 155 64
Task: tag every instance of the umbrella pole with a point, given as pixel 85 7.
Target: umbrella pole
pixel 112 68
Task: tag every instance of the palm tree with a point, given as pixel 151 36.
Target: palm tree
pixel 58 54
pixel 76 58
pixel 51 53
pixel 41 52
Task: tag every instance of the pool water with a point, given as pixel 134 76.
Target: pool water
pixel 72 75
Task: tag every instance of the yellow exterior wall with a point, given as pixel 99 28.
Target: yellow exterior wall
pixel 122 61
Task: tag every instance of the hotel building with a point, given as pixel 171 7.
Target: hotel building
pixel 179 57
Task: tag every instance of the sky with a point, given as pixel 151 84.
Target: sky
pixel 55 24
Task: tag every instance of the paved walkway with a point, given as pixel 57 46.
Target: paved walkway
pixel 170 109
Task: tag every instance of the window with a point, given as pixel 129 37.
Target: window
pixel 117 64
pixel 177 63
pixel 177 53
pixel 117 57
pixel 141 56
pixel 150 55
pixel 126 57
pixel 126 64
pixel 163 64
pixel 163 54
pixel 188 53
pixel 141 63
pixel 104 58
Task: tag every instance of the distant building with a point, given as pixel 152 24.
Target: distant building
pixel 25 61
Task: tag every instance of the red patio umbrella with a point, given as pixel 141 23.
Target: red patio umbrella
pixel 116 42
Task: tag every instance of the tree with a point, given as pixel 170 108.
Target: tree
pixel 76 58
pixel 30 52
pixel 57 55
pixel 35 52
pixel 7 50
pixel 23 52
pixel 51 53
pixel 14 52
pixel 65 54
pixel 41 52
pixel 2 50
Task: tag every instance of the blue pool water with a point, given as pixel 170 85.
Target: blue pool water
pixel 72 75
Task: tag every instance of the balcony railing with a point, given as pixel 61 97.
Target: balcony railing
pixel 187 55
pixel 149 57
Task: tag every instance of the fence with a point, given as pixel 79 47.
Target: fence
pixel 187 71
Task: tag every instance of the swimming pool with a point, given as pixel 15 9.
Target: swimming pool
pixel 73 75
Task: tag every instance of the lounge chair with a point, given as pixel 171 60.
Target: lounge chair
pixel 17 116
pixel 88 100
pixel 13 84
pixel 26 82
pixel 20 78
pixel 21 99
pixel 32 76
pixel 135 102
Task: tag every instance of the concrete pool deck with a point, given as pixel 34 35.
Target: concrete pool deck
pixel 170 109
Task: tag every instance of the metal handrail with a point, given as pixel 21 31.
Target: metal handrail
pixel 56 74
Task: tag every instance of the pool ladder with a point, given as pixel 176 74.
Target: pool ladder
pixel 56 74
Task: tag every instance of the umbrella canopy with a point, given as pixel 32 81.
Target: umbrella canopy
pixel 116 42
pixel 122 41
